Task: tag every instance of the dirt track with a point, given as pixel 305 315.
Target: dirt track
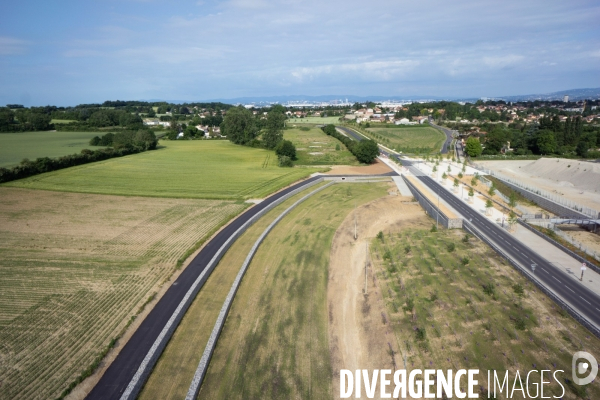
pixel 359 336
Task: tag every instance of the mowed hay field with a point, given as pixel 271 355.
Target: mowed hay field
pixel 313 120
pixel 314 147
pixel 16 146
pixel 74 270
pixel 457 305
pixel 413 139
pixel 275 341
pixel 184 169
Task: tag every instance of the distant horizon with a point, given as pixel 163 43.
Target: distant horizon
pixel 351 98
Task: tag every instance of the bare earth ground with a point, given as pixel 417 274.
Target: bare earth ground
pixel 358 335
pixel 376 168
pixel 588 239
pixel 575 180
pixel 76 270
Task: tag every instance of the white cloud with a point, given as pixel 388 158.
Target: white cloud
pixel 503 61
pixel 12 46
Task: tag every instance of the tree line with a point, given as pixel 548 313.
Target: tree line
pixel 242 127
pixel 365 151
pixel 548 136
pixel 121 144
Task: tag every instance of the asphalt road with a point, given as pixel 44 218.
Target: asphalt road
pixel 578 296
pixel 351 133
pixel 116 378
pixel 448 132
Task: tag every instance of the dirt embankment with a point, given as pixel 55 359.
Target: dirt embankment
pixel 376 168
pixel 574 180
pixel 359 332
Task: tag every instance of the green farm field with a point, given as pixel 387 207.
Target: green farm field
pixel 313 120
pixel 275 342
pixel 76 269
pixel 414 139
pixel 181 169
pixel 453 303
pixel 323 148
pixel 16 146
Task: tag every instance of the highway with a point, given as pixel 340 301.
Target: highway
pixel 580 298
pixel 583 300
pixel 116 378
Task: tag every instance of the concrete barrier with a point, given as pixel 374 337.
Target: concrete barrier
pixel 212 341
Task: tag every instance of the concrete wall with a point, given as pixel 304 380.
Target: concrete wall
pixel 432 210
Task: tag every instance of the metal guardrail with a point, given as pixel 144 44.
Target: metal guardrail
pixel 582 320
pixel 560 246
pixel 540 193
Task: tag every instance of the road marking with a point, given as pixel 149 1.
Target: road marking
pixel 556 278
pixel 545 271
pixel 585 300
pixel 570 289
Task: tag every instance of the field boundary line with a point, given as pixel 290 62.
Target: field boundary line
pixel 220 323
pixel 143 371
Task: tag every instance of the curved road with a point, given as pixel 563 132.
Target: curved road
pixel 448 132
pixel 579 297
pixel 119 374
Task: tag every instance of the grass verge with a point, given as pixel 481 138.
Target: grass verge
pixel 275 341
pixel 453 303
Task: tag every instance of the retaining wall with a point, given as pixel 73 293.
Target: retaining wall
pixel 432 210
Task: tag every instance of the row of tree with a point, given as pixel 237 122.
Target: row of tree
pixel 23 120
pixel 142 139
pixel 548 136
pixel 365 151
pixel 29 168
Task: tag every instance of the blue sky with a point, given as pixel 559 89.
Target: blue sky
pixel 72 52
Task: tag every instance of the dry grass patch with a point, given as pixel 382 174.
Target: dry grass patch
pixel 275 341
pixel 74 271
pixel 455 304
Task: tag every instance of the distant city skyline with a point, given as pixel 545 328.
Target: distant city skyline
pixel 69 52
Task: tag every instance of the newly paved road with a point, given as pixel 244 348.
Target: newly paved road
pixel 351 133
pixel 579 297
pixel 448 132
pixel 119 374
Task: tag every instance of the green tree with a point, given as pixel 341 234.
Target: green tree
pixel 512 200
pixel 473 147
pixel 366 151
pixel 239 126
pixel 545 142
pixel 488 205
pixel 145 139
pixel 274 129
pixel 286 148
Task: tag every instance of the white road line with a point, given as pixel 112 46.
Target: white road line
pixel 556 278
pixel 570 289
pixel 585 300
